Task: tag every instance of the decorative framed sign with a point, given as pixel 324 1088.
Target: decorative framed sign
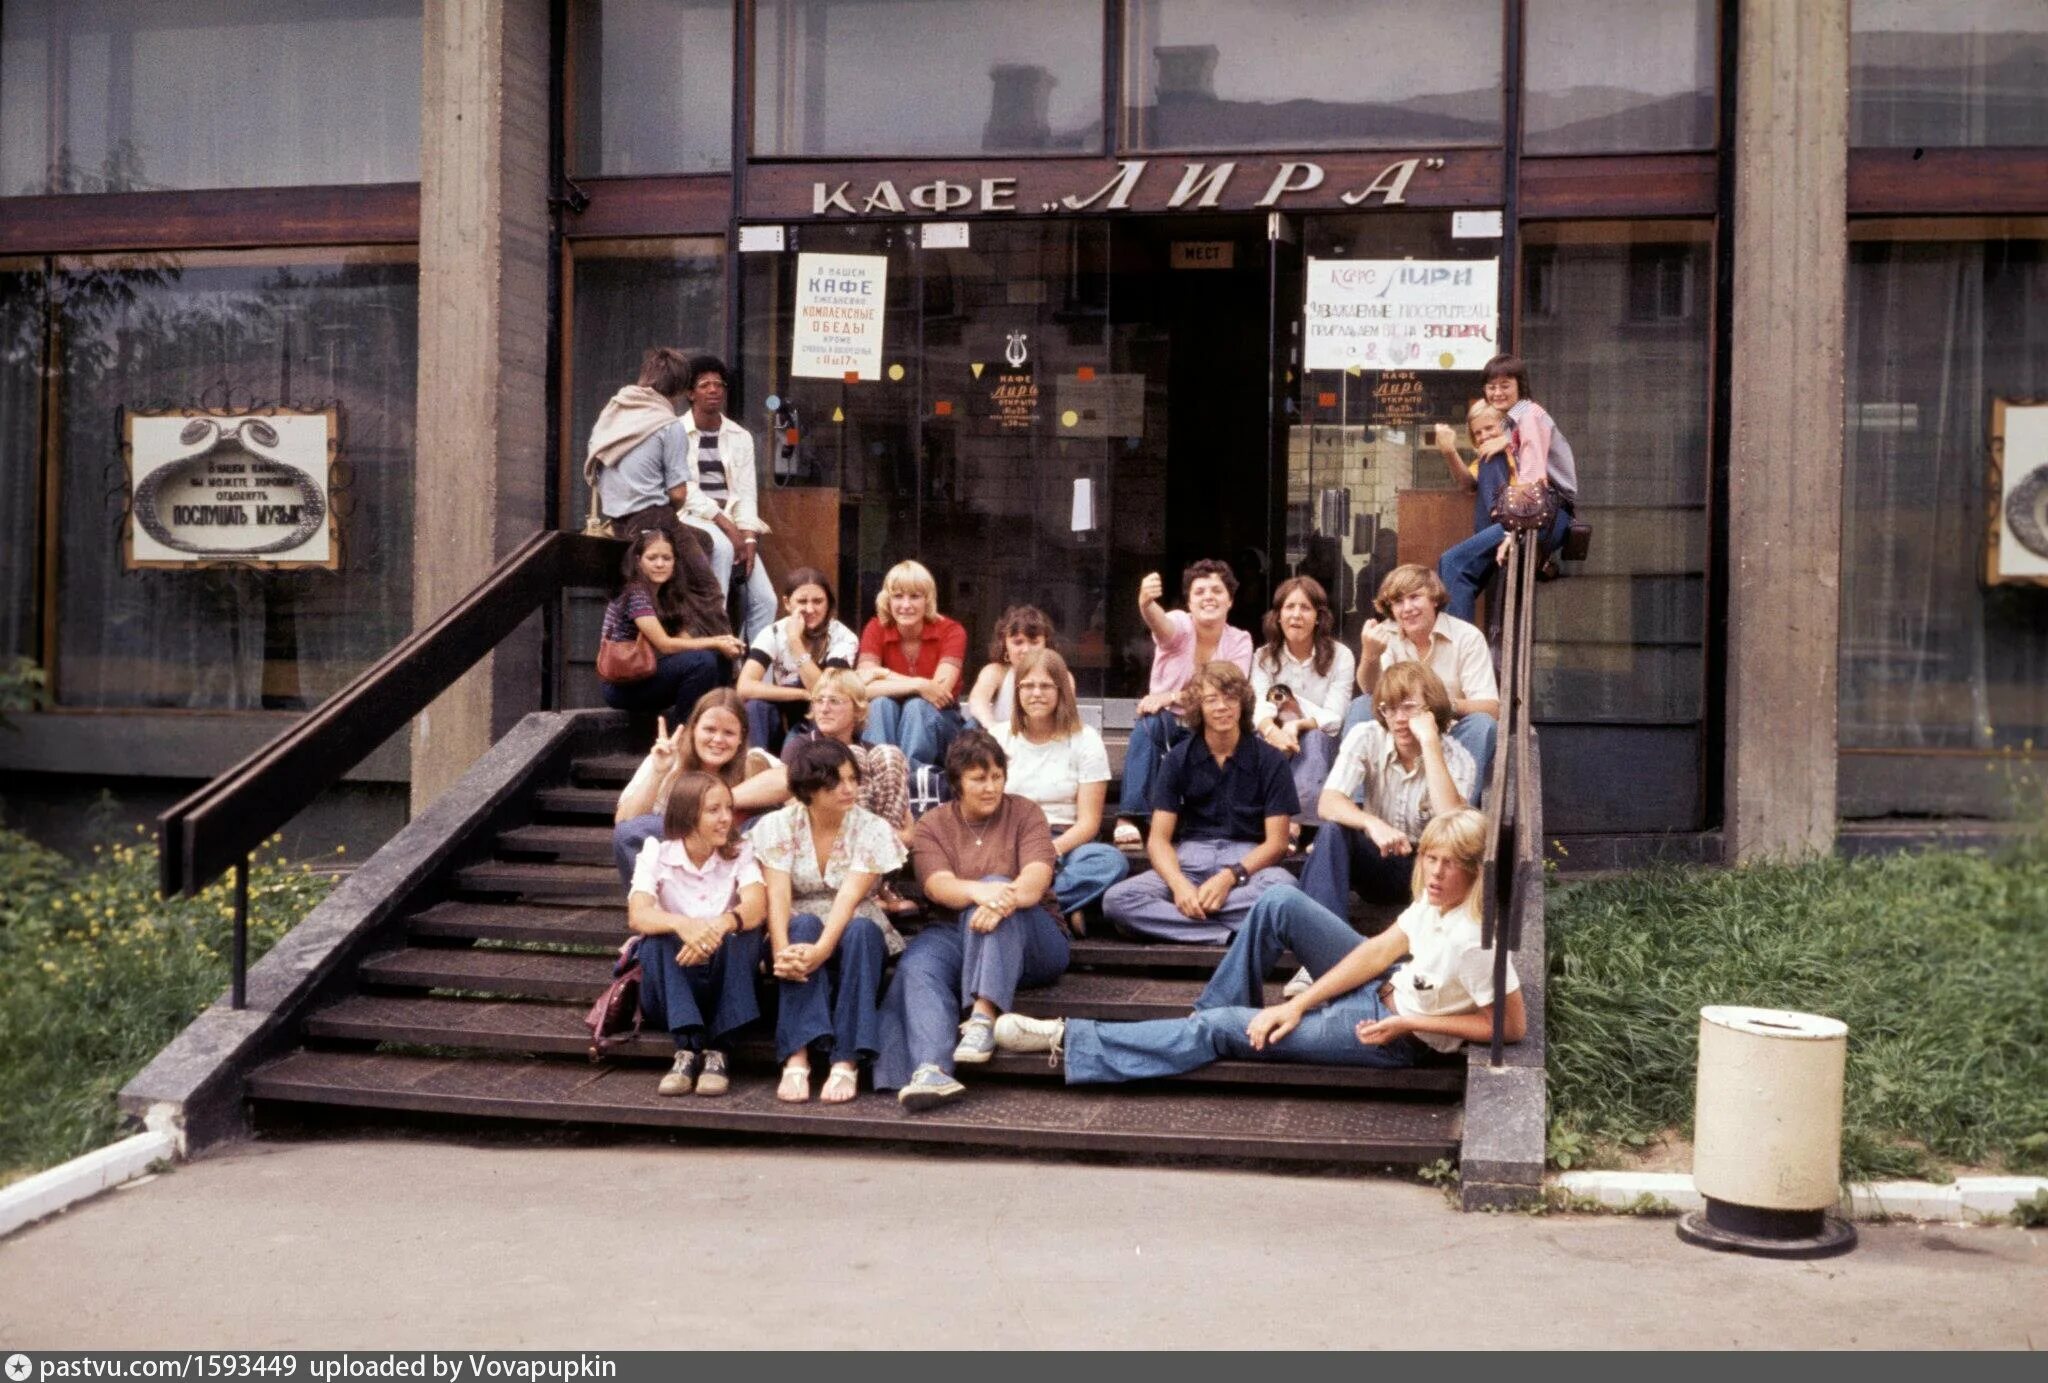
pixel 2016 493
pixel 249 487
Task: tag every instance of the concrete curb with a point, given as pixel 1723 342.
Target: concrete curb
pixel 1966 1200
pixel 60 1188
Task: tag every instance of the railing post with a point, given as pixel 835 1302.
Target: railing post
pixel 241 984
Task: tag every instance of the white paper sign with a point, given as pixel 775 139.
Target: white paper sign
pixel 208 488
pixel 839 315
pixel 2022 537
pixel 1401 314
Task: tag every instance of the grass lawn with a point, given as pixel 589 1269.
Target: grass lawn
pixel 97 974
pixel 1938 963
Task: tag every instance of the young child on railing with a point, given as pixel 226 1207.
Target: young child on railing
pixel 1366 1007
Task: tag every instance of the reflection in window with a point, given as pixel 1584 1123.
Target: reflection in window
pixel 22 334
pixel 243 330
pixel 137 96
pixel 625 297
pixel 1620 358
pixel 926 77
pixel 1937 328
pixel 1311 74
pixel 1948 73
pixel 1618 76
pixel 653 86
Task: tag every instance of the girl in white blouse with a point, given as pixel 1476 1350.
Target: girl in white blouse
pixel 787 658
pixel 1060 763
pixel 1302 680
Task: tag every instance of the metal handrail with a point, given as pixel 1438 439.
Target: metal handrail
pixel 1511 864
pixel 219 825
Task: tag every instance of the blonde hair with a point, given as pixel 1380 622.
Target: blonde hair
pixel 1481 410
pixel 847 684
pixel 1461 835
pixel 1405 679
pixel 1406 579
pixel 1066 714
pixel 911 578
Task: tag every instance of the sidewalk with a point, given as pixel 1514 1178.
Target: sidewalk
pixel 408 1241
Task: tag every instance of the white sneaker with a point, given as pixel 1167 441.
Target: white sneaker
pixel 1017 1033
pixel 1298 985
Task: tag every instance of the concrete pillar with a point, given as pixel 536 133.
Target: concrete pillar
pixel 479 475
pixel 1785 442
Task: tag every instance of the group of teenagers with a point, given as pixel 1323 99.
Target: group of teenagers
pixel 759 837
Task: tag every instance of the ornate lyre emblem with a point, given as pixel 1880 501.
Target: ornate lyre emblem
pixel 1015 351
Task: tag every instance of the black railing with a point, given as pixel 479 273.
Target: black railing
pixel 217 827
pixel 1514 862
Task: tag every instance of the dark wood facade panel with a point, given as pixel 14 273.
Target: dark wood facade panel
pixel 1557 189
pixel 231 218
pixel 621 207
pixel 1041 186
pixel 1948 182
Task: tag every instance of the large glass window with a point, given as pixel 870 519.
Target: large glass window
pixel 1943 318
pixel 1615 327
pixel 23 334
pixel 138 96
pixel 1618 76
pixel 653 86
pixel 1311 74
pixel 835 78
pixel 1948 73
pixel 232 331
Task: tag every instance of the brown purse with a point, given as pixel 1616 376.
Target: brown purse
pixel 615 1016
pixel 1523 505
pixel 620 661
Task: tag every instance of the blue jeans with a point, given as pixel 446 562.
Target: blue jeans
pixel 760 597
pixel 1310 766
pixel 769 725
pixel 697 1002
pixel 1143 906
pixel 1151 736
pixel 1087 872
pixel 1468 568
pixel 1478 732
pixel 837 1003
pixel 678 680
pixel 627 838
pixel 1285 919
pixel 1346 861
pixel 946 967
pixel 911 723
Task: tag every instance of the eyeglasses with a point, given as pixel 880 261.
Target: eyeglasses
pixel 1408 709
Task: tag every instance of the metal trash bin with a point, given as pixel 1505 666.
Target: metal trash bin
pixel 1767 1134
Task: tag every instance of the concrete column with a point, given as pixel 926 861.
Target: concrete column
pixel 1785 443
pixel 479 474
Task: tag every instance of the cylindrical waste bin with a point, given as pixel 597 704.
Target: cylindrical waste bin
pixel 1767 1133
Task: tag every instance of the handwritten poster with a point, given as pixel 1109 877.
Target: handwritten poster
pixel 840 302
pixel 1401 314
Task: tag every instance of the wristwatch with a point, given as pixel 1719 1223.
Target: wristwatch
pixel 1242 874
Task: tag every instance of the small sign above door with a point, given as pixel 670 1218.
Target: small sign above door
pixel 1204 254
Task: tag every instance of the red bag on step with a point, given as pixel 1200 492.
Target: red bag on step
pixel 616 1013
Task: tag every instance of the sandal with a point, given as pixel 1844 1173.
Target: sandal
pixel 1128 834
pixel 1077 923
pixel 796 1085
pixel 841 1085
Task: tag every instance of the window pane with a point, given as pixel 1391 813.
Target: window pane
pixel 132 95
pixel 21 380
pixel 927 77
pixel 653 86
pixel 1948 73
pixel 1616 328
pixel 1618 76
pixel 1937 329
pixel 1311 74
pixel 239 331
pixel 627 296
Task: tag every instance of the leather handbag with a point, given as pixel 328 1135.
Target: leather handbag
pixel 1525 505
pixel 616 1014
pixel 620 661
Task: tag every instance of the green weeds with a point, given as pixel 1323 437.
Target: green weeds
pixel 97 974
pixel 1937 962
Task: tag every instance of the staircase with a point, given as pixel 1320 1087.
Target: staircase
pixel 476 1010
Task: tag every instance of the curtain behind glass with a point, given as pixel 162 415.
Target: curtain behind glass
pixel 1311 74
pixel 1930 658
pixel 21 375
pixel 1948 73
pixel 137 95
pixel 1618 76
pixel 653 86
pixel 927 77
pixel 145 334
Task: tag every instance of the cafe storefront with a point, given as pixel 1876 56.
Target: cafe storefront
pixel 1048 295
